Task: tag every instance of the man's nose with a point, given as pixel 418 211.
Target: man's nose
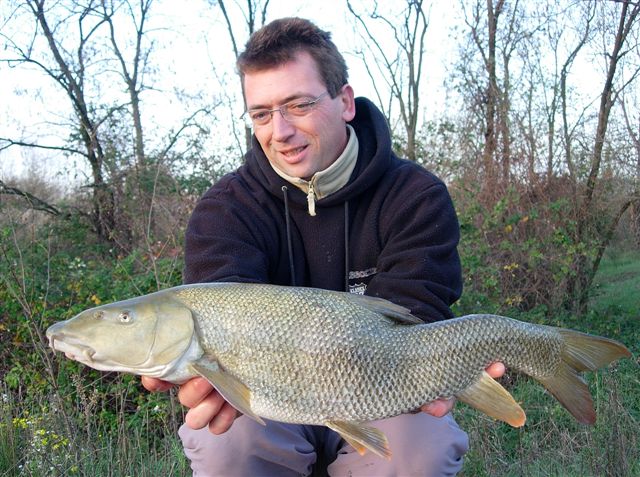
pixel 281 128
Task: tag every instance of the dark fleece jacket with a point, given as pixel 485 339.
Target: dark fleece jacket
pixel 390 232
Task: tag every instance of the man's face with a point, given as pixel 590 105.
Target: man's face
pixel 309 144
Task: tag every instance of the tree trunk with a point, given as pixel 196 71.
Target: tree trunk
pixel 585 271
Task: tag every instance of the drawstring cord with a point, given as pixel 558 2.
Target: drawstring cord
pixel 292 271
pixel 287 220
pixel 346 246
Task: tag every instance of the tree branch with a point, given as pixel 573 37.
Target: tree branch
pixel 11 142
pixel 34 202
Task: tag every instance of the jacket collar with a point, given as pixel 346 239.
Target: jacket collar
pixel 329 180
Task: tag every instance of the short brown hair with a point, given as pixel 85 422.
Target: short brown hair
pixel 278 42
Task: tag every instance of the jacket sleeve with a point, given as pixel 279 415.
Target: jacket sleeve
pixel 419 266
pixel 224 241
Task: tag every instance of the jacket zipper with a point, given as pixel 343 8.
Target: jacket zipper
pixel 311 199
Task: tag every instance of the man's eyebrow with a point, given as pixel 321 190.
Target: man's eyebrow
pixel 288 99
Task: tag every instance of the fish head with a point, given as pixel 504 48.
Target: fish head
pixel 143 335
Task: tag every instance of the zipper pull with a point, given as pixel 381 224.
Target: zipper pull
pixel 311 200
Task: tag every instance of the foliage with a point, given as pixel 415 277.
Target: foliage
pixel 520 248
pixel 58 417
pixel 539 185
pixel 552 443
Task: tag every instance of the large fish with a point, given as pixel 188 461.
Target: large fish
pixel 304 355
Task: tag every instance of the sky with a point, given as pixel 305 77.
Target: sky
pixel 198 58
pixel 31 105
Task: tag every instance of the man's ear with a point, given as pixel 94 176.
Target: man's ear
pixel 348 102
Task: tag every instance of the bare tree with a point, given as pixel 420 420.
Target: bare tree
pixel 255 16
pixel 545 120
pixel 632 126
pixel 493 84
pixel 98 54
pixel 68 69
pixel 560 134
pixel 401 66
pixel 628 20
pixel 131 73
pixel 561 93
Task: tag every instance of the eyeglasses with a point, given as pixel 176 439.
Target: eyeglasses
pixel 290 111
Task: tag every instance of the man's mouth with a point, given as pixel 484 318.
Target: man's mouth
pixel 293 152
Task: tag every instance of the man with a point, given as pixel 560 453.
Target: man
pixel 323 202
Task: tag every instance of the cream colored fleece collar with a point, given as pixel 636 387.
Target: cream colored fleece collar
pixel 329 180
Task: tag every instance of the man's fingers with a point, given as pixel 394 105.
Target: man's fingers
pixel 496 370
pixel 205 411
pixel 439 407
pixel 223 420
pixel 194 391
pixel 155 385
pixel 206 406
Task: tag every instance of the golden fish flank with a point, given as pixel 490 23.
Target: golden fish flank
pixel 311 356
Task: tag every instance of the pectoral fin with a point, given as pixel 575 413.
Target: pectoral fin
pixel 488 396
pixel 362 437
pixel 235 392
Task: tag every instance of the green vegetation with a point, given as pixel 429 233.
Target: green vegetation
pixel 552 443
pixel 58 417
pixel 544 175
pixel 61 418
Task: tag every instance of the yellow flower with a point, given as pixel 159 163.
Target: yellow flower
pixel 94 298
pixel 20 423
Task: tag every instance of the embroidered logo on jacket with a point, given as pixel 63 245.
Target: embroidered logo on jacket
pixel 359 279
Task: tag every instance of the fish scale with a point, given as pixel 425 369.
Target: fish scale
pixel 310 341
pixel 310 356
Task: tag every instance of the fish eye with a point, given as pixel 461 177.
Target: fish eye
pixel 125 317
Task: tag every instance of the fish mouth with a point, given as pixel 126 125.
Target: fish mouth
pixel 80 352
pixel 72 348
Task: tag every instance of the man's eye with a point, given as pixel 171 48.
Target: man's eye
pixel 300 108
pixel 259 115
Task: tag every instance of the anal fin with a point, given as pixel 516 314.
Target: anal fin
pixel 488 396
pixel 362 437
pixel 234 391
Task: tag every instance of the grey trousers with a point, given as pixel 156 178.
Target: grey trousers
pixel 422 445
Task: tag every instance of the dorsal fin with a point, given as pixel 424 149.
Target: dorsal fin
pixel 379 305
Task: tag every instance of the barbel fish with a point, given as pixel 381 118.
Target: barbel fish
pixel 311 356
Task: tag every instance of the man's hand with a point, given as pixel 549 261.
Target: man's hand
pixel 440 407
pixel 206 405
pixel 155 385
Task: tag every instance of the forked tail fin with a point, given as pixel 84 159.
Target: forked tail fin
pixel 582 352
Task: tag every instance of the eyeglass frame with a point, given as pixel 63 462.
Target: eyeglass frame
pixel 283 109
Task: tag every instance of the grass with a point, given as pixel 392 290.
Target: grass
pixel 617 287
pixel 37 439
pixel 107 426
pixel 552 443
